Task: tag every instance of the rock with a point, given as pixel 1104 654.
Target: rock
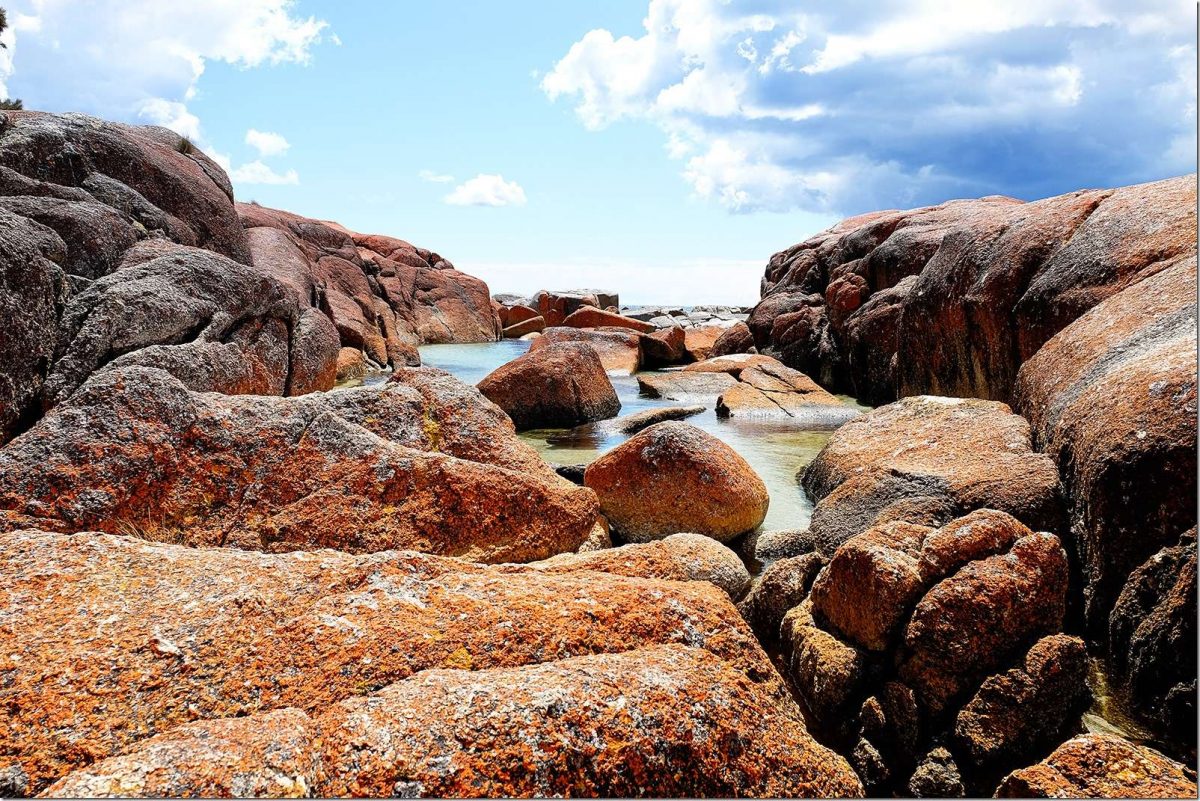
pixel 1112 398
pixel 351 364
pixel 315 346
pixel 571 472
pixel 664 321
pixel 422 463
pixel 781 586
pixel 734 364
pixel 872 583
pixel 510 299
pixel 769 546
pixel 1152 641
pixel 554 307
pixel 1100 766
pixel 735 339
pixel 32 287
pixel 618 348
pixel 630 424
pixel 519 314
pixel 775 391
pixel 555 385
pixel 14 782
pixel 698 342
pixel 179 622
pixel 936 777
pixel 928 460
pixel 663 348
pixel 271 754
pixel 599 538
pixel 673 477
pixel 587 317
pixel 531 325
pixel 971 622
pixel 995 729
pixel 991 280
pixel 679 557
pixel 827 671
pixel 678 385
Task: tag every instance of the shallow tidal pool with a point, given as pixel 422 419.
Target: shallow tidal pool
pixel 776 450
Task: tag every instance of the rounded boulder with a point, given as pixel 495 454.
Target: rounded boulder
pixel 673 477
pixel 557 386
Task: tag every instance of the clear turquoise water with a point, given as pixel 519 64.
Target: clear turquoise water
pixel 776 450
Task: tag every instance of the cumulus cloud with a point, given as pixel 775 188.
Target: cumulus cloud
pixel 256 172
pixel 487 190
pixel 432 177
pixel 267 143
pixel 846 106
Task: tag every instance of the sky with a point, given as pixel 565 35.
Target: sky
pixel 662 149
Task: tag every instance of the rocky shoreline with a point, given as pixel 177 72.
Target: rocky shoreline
pixel 221 577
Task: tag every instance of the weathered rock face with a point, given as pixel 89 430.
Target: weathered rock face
pixel 680 385
pixel 619 349
pixel 1100 766
pixel 928 460
pixel 679 557
pixel 341 626
pixel 983 284
pixel 673 477
pixel 123 247
pixel 664 347
pixel 1113 399
pixel 559 385
pixel 735 339
pixel 399 741
pixel 914 636
pixel 698 342
pixel 557 306
pixel 425 463
pixel 1152 641
pixel 595 433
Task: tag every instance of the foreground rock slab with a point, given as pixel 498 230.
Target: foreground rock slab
pixel 605 714
pixel 423 463
pixel 928 460
pixel 559 385
pixel 1100 766
pixel 673 477
pixel 193 634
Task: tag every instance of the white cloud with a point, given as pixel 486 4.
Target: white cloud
pixel 435 178
pixel 141 60
pixel 255 172
pixel 267 143
pixel 487 190
pixel 842 106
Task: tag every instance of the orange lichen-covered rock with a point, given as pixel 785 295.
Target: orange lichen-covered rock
pixel 423 463
pixel 673 477
pixel 173 634
pixel 1100 766
pixel 270 755
pixel 698 342
pixel 928 460
pixel 735 339
pixel 619 349
pixel 559 385
pixel 679 557
pixel 620 724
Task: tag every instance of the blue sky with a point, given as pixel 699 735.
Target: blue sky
pixel 662 149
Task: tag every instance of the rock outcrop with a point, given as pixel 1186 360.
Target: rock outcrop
pixel 673 477
pixel 1100 766
pixel 425 464
pixel 559 385
pixel 927 460
pixel 123 246
pixel 378 649
pixel 915 637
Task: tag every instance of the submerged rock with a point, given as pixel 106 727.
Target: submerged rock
pixel 674 477
pixel 559 385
